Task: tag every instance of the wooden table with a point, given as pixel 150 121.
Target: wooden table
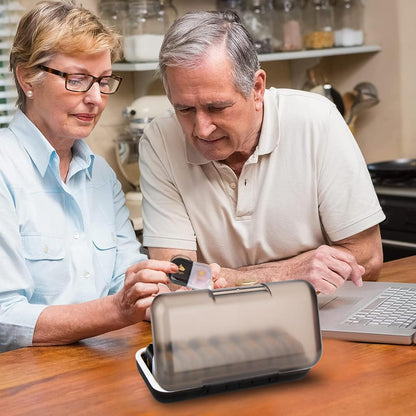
pixel 99 377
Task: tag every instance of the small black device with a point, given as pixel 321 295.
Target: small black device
pixel 191 274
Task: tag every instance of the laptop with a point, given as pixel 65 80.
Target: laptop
pixel 381 312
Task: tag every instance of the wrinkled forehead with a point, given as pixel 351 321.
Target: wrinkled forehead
pixel 213 71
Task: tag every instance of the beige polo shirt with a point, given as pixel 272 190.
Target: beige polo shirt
pixel 306 184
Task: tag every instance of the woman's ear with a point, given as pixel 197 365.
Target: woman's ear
pixel 259 88
pixel 21 75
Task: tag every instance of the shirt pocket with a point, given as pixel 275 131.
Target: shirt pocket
pixel 105 243
pixel 41 247
pixel 104 238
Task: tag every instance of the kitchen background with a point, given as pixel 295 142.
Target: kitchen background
pixel 383 132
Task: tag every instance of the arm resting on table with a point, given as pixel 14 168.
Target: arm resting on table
pixel 327 267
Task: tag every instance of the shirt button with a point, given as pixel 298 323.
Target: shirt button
pixel 233 185
pixel 76 236
pixel 45 249
pixel 87 275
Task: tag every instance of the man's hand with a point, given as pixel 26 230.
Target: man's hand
pixel 142 283
pixel 326 268
pixel 219 282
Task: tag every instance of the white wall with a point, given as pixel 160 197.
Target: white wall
pixel 379 130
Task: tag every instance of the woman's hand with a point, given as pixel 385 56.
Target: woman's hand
pixel 142 283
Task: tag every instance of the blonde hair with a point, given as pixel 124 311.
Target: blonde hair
pixel 53 27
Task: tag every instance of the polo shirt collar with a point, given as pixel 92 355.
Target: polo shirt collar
pixel 41 151
pixel 269 136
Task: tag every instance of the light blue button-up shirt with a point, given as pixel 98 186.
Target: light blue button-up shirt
pixel 60 243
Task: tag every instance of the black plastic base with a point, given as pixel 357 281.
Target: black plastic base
pixel 144 366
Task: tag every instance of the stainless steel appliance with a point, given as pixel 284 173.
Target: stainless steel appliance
pixel 395 185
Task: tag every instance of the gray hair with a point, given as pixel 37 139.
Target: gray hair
pixel 189 38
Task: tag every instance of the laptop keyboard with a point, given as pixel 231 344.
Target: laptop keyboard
pixel 394 307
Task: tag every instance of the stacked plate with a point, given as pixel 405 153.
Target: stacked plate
pixel 10 13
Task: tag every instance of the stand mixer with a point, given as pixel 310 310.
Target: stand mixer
pixel 139 113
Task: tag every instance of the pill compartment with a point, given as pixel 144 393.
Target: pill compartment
pixel 210 338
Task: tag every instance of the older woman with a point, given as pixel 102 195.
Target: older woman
pixel 65 236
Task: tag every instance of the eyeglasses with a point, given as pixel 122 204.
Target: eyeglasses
pixel 83 82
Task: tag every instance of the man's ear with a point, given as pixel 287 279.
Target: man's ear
pixel 259 88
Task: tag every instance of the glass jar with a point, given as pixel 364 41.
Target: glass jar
pixel 318 24
pixel 348 25
pixel 169 11
pixel 144 31
pixel 113 13
pixel 287 33
pixel 258 19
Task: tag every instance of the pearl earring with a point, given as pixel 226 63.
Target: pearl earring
pixel 29 94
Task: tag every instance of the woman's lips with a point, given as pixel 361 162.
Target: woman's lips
pixel 85 117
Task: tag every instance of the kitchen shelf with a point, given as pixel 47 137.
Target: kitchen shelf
pixel 278 56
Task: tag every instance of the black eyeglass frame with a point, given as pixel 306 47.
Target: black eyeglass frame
pixel 94 79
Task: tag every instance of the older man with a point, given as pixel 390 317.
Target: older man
pixel 268 183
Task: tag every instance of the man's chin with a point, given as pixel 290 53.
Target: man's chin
pixel 212 154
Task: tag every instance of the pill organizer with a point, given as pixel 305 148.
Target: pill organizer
pixel 208 341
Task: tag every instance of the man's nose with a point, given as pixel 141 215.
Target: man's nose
pixel 203 125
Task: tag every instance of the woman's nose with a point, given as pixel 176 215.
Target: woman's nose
pixel 93 94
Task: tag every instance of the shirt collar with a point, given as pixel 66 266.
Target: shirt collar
pixel 269 136
pixel 82 156
pixel 41 151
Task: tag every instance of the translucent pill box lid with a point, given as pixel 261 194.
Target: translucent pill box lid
pixel 233 337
